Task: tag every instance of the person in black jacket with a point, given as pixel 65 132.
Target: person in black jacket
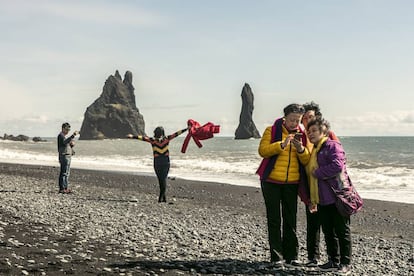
pixel 65 150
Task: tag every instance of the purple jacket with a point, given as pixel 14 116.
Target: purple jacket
pixel 332 171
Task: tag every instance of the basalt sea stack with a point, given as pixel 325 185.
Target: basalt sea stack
pixel 114 114
pixel 247 129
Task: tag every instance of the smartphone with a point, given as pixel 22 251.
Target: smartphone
pixel 298 136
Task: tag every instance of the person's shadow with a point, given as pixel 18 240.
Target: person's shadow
pixel 221 267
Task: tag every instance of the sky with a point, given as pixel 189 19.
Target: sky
pixel 191 58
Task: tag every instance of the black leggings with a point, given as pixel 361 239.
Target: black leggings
pixel 161 170
pixel 281 208
pixel 337 231
pixel 313 233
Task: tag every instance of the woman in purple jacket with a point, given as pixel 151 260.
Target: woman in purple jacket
pixel 331 172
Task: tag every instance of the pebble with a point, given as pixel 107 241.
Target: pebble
pixel 100 227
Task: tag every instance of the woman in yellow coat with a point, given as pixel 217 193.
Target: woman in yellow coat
pixel 283 148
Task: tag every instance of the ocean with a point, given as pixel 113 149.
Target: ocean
pixel 380 167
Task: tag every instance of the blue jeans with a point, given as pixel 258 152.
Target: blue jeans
pixel 64 161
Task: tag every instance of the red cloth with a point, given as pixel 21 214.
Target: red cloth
pixel 198 132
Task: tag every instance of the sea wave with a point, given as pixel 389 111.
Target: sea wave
pixel 386 182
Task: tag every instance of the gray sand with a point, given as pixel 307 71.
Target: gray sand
pixel 113 224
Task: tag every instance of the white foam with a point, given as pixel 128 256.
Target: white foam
pixel 383 183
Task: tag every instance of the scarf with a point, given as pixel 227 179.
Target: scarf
pixel 310 167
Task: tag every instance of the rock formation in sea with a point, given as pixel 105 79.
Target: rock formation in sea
pixel 247 129
pixel 38 139
pixel 114 114
pixel 20 137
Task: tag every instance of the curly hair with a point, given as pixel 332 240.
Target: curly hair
pixel 313 106
pixel 322 124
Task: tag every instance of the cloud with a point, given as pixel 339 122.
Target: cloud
pixel 36 125
pixel 375 123
pixel 87 11
pixel 31 126
pixel 42 119
pixel 171 107
pixel 409 118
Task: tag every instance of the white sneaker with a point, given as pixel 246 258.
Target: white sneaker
pixel 344 269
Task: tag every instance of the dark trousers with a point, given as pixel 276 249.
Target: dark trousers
pixel 337 231
pixel 64 173
pixel 313 233
pixel 161 170
pixel 281 206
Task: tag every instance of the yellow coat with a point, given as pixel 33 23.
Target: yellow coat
pixel 286 169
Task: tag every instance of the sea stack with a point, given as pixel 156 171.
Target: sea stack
pixel 247 129
pixel 114 114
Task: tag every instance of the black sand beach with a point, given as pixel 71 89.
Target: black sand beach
pixel 112 224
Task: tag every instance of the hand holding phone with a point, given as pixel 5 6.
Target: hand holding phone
pixel 297 142
pixel 298 136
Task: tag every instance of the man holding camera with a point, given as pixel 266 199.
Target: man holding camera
pixel 65 150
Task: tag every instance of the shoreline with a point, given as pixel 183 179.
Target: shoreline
pixel 112 223
pixel 380 196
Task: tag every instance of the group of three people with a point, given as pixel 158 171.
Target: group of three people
pixel 303 157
